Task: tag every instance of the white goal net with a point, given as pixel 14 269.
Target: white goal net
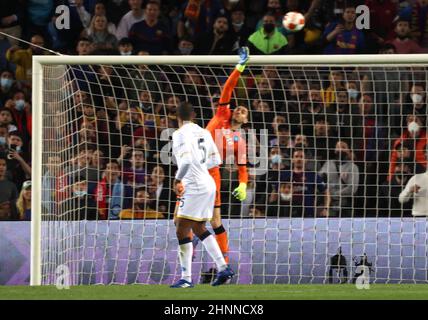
pixel 331 144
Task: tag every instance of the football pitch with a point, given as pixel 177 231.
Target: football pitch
pixel 227 292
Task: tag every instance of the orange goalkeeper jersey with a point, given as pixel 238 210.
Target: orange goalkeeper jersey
pixel 229 142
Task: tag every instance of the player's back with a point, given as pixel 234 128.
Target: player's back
pixel 193 145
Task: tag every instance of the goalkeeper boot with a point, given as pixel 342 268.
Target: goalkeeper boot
pixel 182 284
pixel 223 277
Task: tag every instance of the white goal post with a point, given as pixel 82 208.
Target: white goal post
pixel 41 76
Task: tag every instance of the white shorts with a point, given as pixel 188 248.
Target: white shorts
pixel 197 207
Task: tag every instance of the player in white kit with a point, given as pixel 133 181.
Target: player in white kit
pixel 417 190
pixel 195 153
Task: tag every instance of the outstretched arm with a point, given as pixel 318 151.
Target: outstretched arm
pixel 229 86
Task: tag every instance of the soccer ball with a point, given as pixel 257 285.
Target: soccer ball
pixel 293 21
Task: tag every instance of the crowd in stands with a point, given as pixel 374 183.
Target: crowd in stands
pixel 341 141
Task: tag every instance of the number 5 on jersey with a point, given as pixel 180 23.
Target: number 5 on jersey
pixel 203 149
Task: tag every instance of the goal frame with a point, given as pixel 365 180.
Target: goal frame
pixel 37 104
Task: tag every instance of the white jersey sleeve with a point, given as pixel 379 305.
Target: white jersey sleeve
pixel 182 153
pixel 406 194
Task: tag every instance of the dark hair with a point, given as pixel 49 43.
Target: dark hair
pixel 79 178
pixel 418 84
pixel 342 91
pixel 141 188
pixel 186 38
pixel 321 118
pixel 84 39
pixel 8 70
pixel 269 13
pixel 85 147
pixel 152 2
pixel 185 111
pixel 124 41
pixel 113 161
pixel 283 127
pixel 3 156
pixel 298 149
pixel 408 144
pixel 16 134
pixel 349 4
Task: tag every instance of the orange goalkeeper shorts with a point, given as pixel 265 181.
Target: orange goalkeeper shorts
pixel 215 173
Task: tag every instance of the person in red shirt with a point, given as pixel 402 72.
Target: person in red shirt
pixel 225 129
pixel 403 43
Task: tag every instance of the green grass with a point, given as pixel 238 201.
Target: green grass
pixel 227 292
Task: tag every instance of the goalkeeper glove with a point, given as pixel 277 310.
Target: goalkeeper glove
pixel 244 55
pixel 240 193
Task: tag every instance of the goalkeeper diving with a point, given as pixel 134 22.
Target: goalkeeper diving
pixel 225 129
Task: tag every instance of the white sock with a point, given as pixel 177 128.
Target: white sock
pixel 214 251
pixel 185 256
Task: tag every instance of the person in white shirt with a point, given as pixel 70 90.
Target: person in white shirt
pixel 135 15
pixel 195 152
pixel 417 189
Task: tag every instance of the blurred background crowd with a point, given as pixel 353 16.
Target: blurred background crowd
pixel 341 141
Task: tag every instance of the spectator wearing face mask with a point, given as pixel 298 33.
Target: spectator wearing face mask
pixel 125 47
pixel 276 163
pixel 353 90
pixel 274 8
pixel 185 46
pixel 238 27
pixel 390 191
pixel 415 133
pixel 80 206
pixel 7 86
pixel 21 111
pixel 342 177
pixel 267 40
pixel 279 202
pixel 417 100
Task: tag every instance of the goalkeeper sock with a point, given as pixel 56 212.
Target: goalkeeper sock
pixel 214 250
pixel 223 242
pixel 185 250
